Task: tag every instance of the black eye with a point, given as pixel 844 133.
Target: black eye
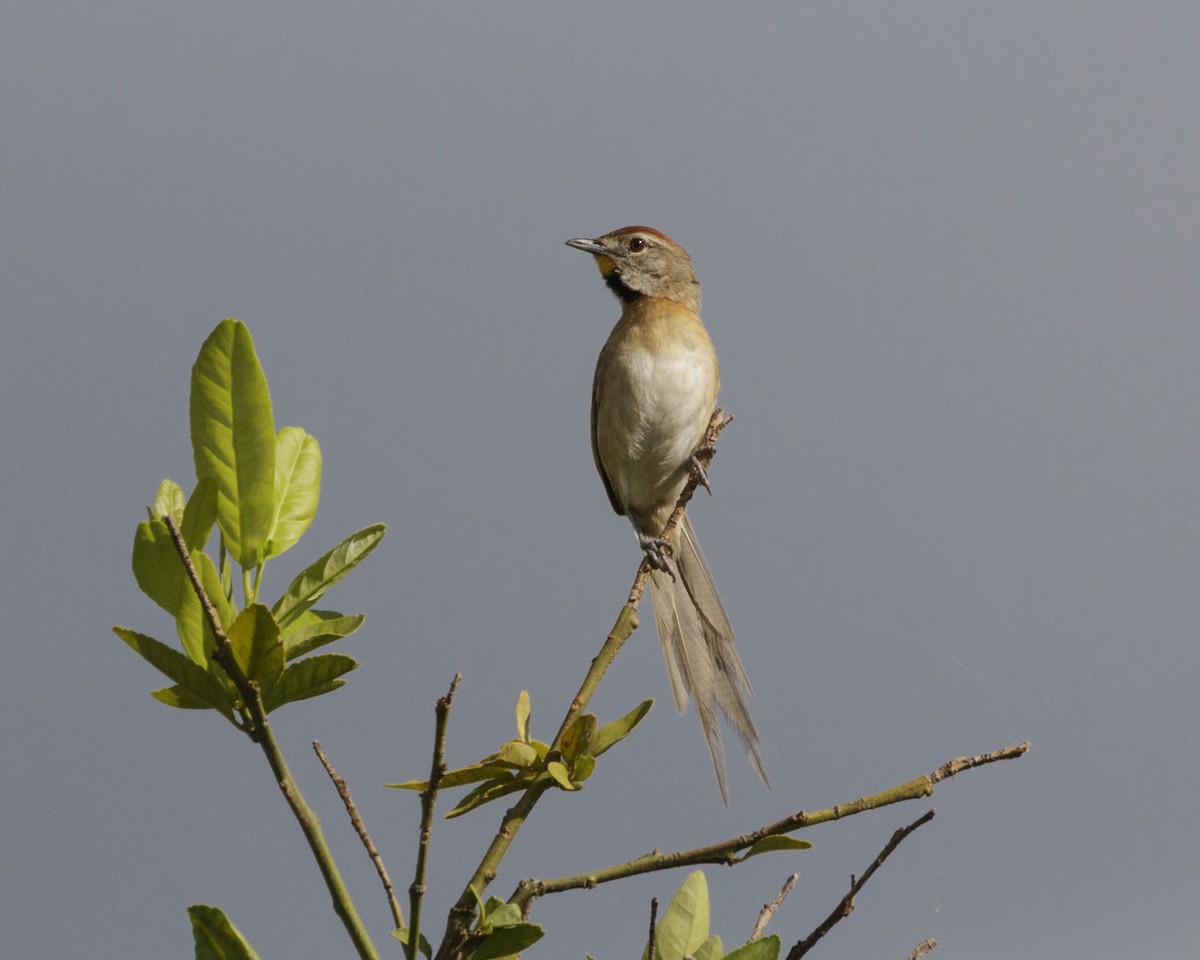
pixel 637 244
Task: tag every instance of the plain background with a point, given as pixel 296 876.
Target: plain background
pixel 949 255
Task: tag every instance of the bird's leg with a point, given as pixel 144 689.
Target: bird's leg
pixel 658 550
pixel 658 553
pixel 699 474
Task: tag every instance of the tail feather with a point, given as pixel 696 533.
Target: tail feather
pixel 698 648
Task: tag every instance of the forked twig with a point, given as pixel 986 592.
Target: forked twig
pixel 459 919
pixel 846 907
pixel 360 828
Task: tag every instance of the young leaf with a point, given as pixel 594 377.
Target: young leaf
pixel 200 514
pixel 612 733
pixel 487 769
pixel 711 949
pixel 506 941
pixel 168 500
pixel 254 640
pixel 684 927
pixel 315 628
pixel 766 948
pixel 559 774
pixel 178 696
pixel 297 488
pixel 582 768
pixel 578 736
pixel 523 712
pixel 487 792
pixel 517 753
pixel 772 844
pixel 312 583
pixel 307 678
pixel 191 677
pixel 195 633
pixel 233 438
pixel 401 934
pixel 215 937
pixel 157 567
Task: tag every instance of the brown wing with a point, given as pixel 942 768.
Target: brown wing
pixel 608 487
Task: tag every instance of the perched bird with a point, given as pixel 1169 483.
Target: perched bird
pixel 652 399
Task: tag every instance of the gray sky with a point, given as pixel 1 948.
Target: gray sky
pixel 949 255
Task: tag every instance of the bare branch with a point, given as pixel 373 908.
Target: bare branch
pixel 437 770
pixel 726 852
pixel 360 828
pixel 922 948
pixel 846 907
pixel 947 770
pixel 768 910
pixel 650 944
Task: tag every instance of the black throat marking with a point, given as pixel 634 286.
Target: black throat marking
pixel 625 293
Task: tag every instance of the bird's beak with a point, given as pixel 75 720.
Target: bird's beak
pixel 593 247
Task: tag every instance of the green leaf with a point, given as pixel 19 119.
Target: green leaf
pixel 310 677
pixel 312 583
pixel 506 941
pixel 487 792
pixel 773 844
pixel 766 948
pixel 195 634
pixel 616 731
pixel 178 696
pixel 233 438
pixel 215 937
pixel 523 712
pixel 684 927
pixel 711 949
pixel 487 769
pixel 517 753
pixel 559 775
pixel 193 678
pixel 200 515
pixel 168 500
pixel 401 934
pixel 297 488
pixel 582 768
pixel 578 736
pixel 157 567
pixel 315 628
pixel 254 640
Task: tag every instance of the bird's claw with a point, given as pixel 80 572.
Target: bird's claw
pixel 658 554
pixel 699 474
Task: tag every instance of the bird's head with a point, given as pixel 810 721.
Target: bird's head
pixel 643 262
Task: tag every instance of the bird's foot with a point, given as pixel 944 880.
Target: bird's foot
pixel 699 474
pixel 658 553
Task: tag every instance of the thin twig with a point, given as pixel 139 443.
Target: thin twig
pixel 768 910
pixel 922 948
pixel 650 944
pixel 459 918
pixel 949 769
pixel 253 712
pixel 360 828
pixel 725 852
pixel 437 770
pixel 260 732
pixel 844 909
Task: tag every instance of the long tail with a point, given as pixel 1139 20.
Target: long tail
pixel 697 642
